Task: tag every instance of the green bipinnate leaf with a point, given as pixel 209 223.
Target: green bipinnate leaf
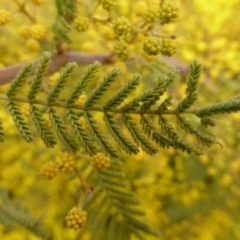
pixel 122 130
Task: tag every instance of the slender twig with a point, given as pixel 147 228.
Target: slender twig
pixel 57 60
pixel 86 189
pixel 22 9
pixel 184 69
pixel 94 108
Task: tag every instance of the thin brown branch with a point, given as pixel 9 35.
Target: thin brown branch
pixel 86 189
pixel 57 60
pixel 184 69
pixel 22 9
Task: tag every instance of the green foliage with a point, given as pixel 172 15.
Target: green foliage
pixel 140 123
pixel 87 76
pixel 229 106
pixel 125 215
pixel 19 80
pixel 105 145
pixel 19 121
pixel 147 103
pixel 12 214
pixel 138 136
pixel 45 133
pixel 65 14
pixel 39 75
pixel 84 139
pixel 61 82
pixel 191 90
pixel 126 144
pixel 98 91
pixel 122 93
pixel 184 196
pixel 202 138
pixel 68 141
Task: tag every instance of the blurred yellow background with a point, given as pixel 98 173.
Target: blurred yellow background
pixel 186 197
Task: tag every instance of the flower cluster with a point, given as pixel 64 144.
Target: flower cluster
pixel 151 15
pixel 168 47
pixel 122 26
pixel 24 32
pixel 168 13
pixel 65 162
pixel 48 170
pixel 152 46
pixel 108 5
pixel 81 24
pixel 4 16
pixel 38 31
pixel 76 218
pixel 121 50
pixel 100 161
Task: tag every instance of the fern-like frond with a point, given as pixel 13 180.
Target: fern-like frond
pixel 185 146
pixel 191 90
pixel 87 76
pixel 19 81
pixel 208 121
pixel 201 137
pixel 103 142
pixel 165 104
pixel 229 106
pixel 138 136
pixel 67 140
pixel 144 135
pixel 151 131
pixel 45 133
pixel 161 140
pixel 84 139
pixel 20 124
pixel 61 29
pixel 149 97
pixel 169 78
pixel 61 82
pixel 126 144
pixel 66 9
pixel 122 93
pixel 115 209
pixel 59 6
pixel 147 125
pixel 125 203
pixel 171 140
pixel 39 75
pixel 102 87
pixel 167 128
pixel 12 214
